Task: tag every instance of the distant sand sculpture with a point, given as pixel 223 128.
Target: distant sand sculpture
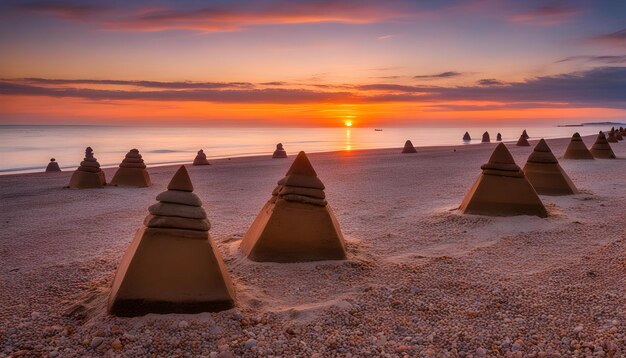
pixel 522 142
pixel 53 166
pixel 502 189
pixel 88 174
pixel 499 137
pixel 466 137
pixel 611 137
pixel 408 147
pixel 200 159
pixel 618 135
pixel 486 138
pixel 132 171
pixel 577 149
pixel 601 149
pixel 525 134
pixel 296 224
pixel 545 174
pixel 279 152
pixel 172 265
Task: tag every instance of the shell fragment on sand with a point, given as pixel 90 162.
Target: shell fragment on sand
pixel 502 189
pixel 172 265
pixel 601 149
pixel 88 174
pixel 132 172
pixel 280 152
pixel 408 147
pixel 200 158
pixel 53 166
pixel 545 174
pixel 576 149
pixel 296 224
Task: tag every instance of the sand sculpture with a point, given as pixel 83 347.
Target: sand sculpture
pixel 88 174
pixel 172 265
pixel 486 138
pixel 502 189
pixel 200 158
pixel 522 142
pixel 577 149
pixel 53 166
pixel 466 137
pixel 525 134
pixel 296 224
pixel 499 137
pixel 279 152
pixel 619 136
pixel 601 149
pixel 132 171
pixel 545 174
pixel 611 137
pixel 408 147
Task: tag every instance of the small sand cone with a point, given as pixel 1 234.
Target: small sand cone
pixel 486 138
pixel 545 174
pixel 408 147
pixel 611 137
pixel 53 166
pixel 522 142
pixel 466 137
pixel 279 152
pixel 577 149
pixel 499 137
pixel 525 134
pixel 172 265
pixel 132 172
pixel 200 158
pixel 619 136
pixel 601 149
pixel 88 174
pixel 502 190
pixel 296 224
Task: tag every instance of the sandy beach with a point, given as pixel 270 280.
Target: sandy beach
pixel 420 280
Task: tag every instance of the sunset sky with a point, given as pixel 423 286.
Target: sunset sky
pixel 312 63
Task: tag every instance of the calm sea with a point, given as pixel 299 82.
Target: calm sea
pixel 29 148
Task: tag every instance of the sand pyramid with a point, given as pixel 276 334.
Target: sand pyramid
pixel 296 224
pixel 172 265
pixel 499 137
pixel 601 148
pixel 132 171
pixel 525 134
pixel 88 174
pixel 200 158
pixel 619 136
pixel 408 147
pixel 577 149
pixel 545 174
pixel 502 189
pixel 522 142
pixel 486 138
pixel 466 137
pixel 279 152
pixel 611 137
pixel 53 166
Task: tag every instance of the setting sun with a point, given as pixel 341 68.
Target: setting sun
pixel 348 123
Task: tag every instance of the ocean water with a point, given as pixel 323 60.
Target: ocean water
pixel 29 148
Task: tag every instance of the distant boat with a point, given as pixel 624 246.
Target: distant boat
pixel 378 129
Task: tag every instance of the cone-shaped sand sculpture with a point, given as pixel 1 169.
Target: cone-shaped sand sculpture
pixel 502 190
pixel 522 142
pixel 53 166
pixel 611 137
pixel 172 265
pixel 132 171
pixel 577 149
pixel 525 134
pixel 619 136
pixel 545 174
pixel 466 137
pixel 408 147
pixel 499 137
pixel 486 138
pixel 280 151
pixel 296 224
pixel 601 149
pixel 200 158
pixel 88 174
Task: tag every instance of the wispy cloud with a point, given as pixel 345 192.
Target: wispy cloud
pixel 603 59
pixel 490 82
pixel 614 39
pixel 547 14
pixel 446 74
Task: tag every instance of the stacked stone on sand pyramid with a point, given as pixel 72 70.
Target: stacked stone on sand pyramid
pixel 499 137
pixel 611 137
pixel 296 224
pixel 88 174
pixel 53 166
pixel 132 171
pixel 502 189
pixel 486 138
pixel 466 137
pixel 279 152
pixel 522 141
pixel 408 147
pixel 200 158
pixel 601 149
pixel 577 149
pixel 545 174
pixel 172 265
